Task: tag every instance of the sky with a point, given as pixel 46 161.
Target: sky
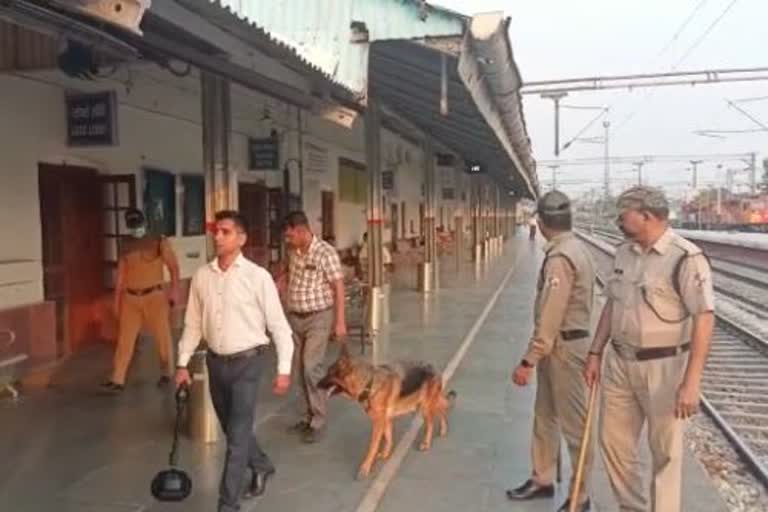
pixel 555 39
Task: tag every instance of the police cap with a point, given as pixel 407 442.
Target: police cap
pixel 642 197
pixel 134 218
pixel 554 203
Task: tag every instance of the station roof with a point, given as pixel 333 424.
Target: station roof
pixel 396 49
pixel 406 51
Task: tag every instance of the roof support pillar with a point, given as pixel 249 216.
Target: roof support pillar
pixel 378 300
pixel 458 220
pixel 475 204
pixel 428 269
pixel 220 183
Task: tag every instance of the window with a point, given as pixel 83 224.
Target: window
pixel 353 182
pixel 193 219
pixel 160 202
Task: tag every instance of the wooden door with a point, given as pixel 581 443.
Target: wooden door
pixel 71 212
pixel 404 234
pixel 394 222
pixel 328 219
pixel 421 219
pixel 253 201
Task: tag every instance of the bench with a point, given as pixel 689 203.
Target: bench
pixel 9 362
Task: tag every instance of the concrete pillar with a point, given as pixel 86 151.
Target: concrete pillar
pixel 496 246
pixel 458 223
pixel 220 194
pixel 474 206
pixel 486 220
pixel 513 219
pixel 378 301
pixel 427 271
pixel 220 184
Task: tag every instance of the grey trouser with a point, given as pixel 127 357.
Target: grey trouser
pixel 234 386
pixel 311 333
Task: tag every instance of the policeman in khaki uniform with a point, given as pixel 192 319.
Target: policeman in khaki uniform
pixel 659 320
pixel 558 350
pixel 140 300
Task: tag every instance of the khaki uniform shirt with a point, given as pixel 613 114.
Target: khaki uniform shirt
pixel 565 294
pixel 143 261
pixel 647 309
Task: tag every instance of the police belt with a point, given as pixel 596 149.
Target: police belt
pixel 630 353
pixel 250 352
pixel 143 291
pixel 574 334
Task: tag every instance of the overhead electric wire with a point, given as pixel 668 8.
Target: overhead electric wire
pixel 687 54
pixel 664 49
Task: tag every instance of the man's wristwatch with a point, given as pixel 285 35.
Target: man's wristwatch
pixel 596 353
pixel 525 364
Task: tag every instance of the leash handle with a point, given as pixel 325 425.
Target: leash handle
pixel 181 399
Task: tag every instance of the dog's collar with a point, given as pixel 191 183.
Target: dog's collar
pixel 366 394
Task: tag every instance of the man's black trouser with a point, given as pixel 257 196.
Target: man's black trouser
pixel 234 385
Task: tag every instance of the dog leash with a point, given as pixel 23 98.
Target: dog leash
pixel 181 399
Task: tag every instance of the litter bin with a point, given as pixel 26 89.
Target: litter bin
pixel 202 423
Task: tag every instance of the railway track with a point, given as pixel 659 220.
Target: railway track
pixel 746 284
pixel 735 383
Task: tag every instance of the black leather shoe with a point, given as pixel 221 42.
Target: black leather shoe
pixel 163 381
pixel 584 507
pixel 258 484
pixel 531 490
pixel 112 388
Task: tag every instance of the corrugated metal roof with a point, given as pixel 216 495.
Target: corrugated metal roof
pixel 233 20
pixel 319 31
pixel 338 37
pixel 407 78
pixel 489 71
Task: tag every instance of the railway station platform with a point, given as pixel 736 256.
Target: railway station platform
pixel 757 241
pixel 69 449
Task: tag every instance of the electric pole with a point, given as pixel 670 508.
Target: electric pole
pixel 695 164
pixel 607 176
pixel 753 173
pixel 640 172
pixel 695 168
pixel 554 175
pixel 556 97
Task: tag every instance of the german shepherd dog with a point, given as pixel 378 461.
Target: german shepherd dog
pixel 386 392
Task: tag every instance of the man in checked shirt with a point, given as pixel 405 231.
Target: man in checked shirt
pixel 314 296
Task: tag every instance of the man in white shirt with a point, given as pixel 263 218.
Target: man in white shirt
pixel 232 303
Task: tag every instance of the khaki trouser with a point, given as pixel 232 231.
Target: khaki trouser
pixel 561 406
pixel 151 311
pixel 311 334
pixel 633 392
